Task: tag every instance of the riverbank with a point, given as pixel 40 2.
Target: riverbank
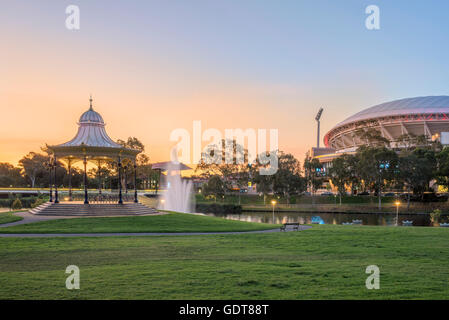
pixel 341 211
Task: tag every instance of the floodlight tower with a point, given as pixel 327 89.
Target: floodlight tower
pixel 317 118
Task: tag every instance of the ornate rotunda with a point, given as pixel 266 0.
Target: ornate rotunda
pixel 92 144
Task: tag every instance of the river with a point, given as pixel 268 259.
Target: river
pixel 372 219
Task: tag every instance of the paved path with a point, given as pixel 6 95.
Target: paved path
pixel 136 234
pixel 30 218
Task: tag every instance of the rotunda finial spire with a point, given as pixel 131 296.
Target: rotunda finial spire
pixel 90 102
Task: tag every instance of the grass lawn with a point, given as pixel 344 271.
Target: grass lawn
pixel 7 217
pixel 325 262
pixel 173 222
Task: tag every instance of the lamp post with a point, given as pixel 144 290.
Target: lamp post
pixel 125 173
pixel 86 196
pixel 135 183
pixel 397 203
pixel 50 180
pixel 55 166
pixel 273 203
pixel 119 165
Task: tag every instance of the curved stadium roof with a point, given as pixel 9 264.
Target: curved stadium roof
pixel 419 105
pixel 417 116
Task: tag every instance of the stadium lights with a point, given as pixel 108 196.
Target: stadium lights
pixel 317 118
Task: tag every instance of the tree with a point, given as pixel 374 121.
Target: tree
pixel 76 179
pixel 214 187
pixel 340 173
pixel 313 175
pixel 409 142
pixel 442 172
pixel 10 175
pixel 241 178
pixel 127 165
pixel 376 166
pixel 145 173
pixel 372 137
pixel 287 181
pixel 263 182
pixel 229 160
pixel 32 165
pixel 132 143
pixel 417 169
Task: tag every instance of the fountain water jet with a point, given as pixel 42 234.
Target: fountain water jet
pixel 178 196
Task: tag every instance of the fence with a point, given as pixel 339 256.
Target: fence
pixel 102 198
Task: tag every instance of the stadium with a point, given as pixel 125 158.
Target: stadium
pixel 428 116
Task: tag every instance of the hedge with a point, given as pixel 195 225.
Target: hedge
pixel 27 202
pixel 218 208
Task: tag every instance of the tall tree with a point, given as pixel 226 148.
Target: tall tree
pixel 229 160
pixel 287 181
pixel 416 170
pixel 376 166
pixel 10 175
pixel 264 183
pixel 341 173
pixel 442 172
pixel 214 187
pixel 313 175
pixel 127 165
pixel 32 165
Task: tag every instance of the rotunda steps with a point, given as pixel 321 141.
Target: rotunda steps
pixel 79 209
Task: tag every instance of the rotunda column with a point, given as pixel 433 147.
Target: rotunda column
pixel 86 197
pixel 135 182
pixel 119 164
pixel 56 183
pixel 125 172
pixel 99 177
pixel 50 178
pixel 69 165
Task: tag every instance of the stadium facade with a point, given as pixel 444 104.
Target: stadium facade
pixel 420 116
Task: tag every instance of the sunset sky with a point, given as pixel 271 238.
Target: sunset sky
pixel 154 66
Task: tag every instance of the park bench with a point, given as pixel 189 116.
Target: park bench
pixel 294 224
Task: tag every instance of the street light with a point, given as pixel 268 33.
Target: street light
pixel 273 203
pixel 397 203
pixel 163 201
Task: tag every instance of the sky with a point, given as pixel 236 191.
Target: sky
pixel 155 66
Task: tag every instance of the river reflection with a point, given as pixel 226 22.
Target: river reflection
pixel 372 219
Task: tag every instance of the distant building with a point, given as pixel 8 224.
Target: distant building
pixel 428 116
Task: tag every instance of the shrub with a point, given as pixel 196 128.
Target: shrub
pixel 38 202
pixel 435 215
pixel 17 204
pixel 26 202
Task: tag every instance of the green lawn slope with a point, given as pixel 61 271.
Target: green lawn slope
pixel 173 222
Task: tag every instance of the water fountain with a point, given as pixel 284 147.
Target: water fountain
pixel 178 196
